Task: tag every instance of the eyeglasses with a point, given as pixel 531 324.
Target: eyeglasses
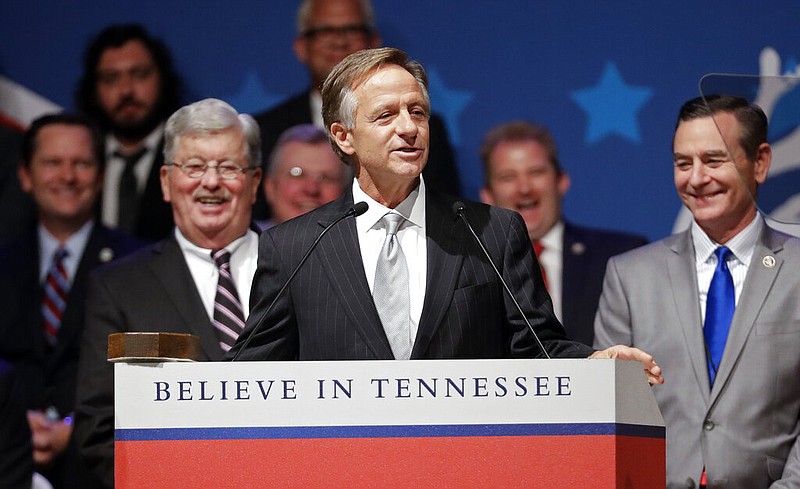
pixel 196 168
pixel 327 33
pixel 297 175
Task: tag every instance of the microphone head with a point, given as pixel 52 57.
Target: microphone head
pixel 458 208
pixel 360 208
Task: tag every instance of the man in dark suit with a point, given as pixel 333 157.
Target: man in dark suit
pixel 427 291
pixel 62 169
pixel 176 285
pixel 16 460
pixel 719 304
pixel 522 172
pixel 130 87
pixel 327 31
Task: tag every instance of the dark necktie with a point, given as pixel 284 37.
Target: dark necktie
pixel 538 248
pixel 228 313
pixel 390 292
pixel 129 191
pixel 720 306
pixel 56 287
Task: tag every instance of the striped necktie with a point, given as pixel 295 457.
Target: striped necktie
pixel 228 313
pixel 56 287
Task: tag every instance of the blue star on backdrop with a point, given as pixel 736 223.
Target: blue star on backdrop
pixel 448 103
pixel 251 97
pixel 612 106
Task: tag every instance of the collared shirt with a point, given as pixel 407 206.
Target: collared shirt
pixel 74 245
pixel 315 99
pixel 115 166
pixel 412 234
pixel 552 260
pixel 244 257
pixel 742 245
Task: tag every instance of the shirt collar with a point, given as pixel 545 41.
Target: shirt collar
pixel 74 245
pixel 205 253
pixel 742 245
pixel 412 207
pixel 554 238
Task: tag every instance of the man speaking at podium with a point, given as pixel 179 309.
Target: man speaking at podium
pixel 404 279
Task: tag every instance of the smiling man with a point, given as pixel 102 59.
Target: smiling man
pixel 196 281
pixel 523 173
pixel 404 280
pixel 44 281
pixel 718 305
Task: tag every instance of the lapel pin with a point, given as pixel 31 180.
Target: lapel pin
pixel 106 255
pixel 578 248
pixel 768 261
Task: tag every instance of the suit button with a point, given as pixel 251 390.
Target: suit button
pixel 690 483
pixel 708 425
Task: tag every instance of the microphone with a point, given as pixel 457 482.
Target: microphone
pixel 353 211
pixel 459 210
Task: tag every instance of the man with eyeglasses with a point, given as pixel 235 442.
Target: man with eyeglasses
pixel 302 174
pixel 196 281
pixel 328 31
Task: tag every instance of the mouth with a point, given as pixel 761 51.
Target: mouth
pixel 527 205
pixel 211 200
pixel 409 150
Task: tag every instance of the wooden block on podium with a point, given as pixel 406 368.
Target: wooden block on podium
pixel 153 347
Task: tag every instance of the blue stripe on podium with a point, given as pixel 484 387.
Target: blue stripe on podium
pixel 403 431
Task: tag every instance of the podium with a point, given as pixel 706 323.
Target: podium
pixel 421 423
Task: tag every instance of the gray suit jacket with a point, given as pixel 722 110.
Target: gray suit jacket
pixel 745 429
pixel 151 290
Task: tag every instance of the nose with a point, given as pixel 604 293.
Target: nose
pixel 211 178
pixel 406 125
pixel 699 175
pixel 68 171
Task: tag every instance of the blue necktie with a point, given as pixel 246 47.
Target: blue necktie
pixel 720 304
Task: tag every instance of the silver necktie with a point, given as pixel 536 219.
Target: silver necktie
pixel 390 290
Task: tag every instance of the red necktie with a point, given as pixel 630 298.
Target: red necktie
pixel 538 248
pixel 56 287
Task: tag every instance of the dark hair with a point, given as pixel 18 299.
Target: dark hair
pixel 752 120
pixel 116 36
pixel 29 139
pixel 519 131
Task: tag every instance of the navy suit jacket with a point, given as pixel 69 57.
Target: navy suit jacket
pixel 328 312
pixel 49 377
pixel 585 254
pixel 440 172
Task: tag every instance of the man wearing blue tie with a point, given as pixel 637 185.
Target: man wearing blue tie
pixel 718 305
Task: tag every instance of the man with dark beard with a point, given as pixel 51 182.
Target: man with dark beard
pixel 129 87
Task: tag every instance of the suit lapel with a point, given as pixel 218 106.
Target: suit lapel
pixel 757 285
pixel 170 267
pixel 683 283
pixel 443 268
pixel 340 255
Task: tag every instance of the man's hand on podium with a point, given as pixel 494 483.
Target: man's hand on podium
pixel 623 352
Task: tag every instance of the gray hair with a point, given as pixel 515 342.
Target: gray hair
pixel 304 12
pixel 207 116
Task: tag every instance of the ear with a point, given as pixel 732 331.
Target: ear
pixel 563 182
pixel 762 163
pixel 24 175
pixel 256 184
pixel 300 47
pixel 486 196
pixel 164 174
pixel 343 138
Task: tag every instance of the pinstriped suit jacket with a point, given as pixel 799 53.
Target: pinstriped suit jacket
pixel 328 312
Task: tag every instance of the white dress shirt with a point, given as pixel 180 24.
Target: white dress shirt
pixel 742 245
pixel 74 245
pixel 244 257
pixel 552 261
pixel 372 233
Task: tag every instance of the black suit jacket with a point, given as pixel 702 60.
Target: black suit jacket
pixel 328 312
pixel 440 172
pixel 49 377
pixel 16 454
pixel 585 254
pixel 152 290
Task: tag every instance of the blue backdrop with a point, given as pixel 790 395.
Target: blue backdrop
pixel 606 77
